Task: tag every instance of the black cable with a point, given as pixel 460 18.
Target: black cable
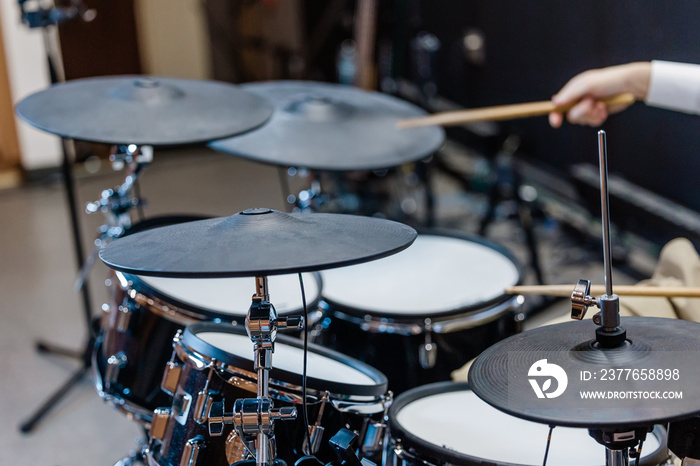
pixel 549 441
pixel 639 453
pixel 303 375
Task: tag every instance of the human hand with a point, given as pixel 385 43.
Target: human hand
pixel 586 88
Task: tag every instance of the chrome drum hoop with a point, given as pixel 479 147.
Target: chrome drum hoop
pixel 445 324
pixel 279 389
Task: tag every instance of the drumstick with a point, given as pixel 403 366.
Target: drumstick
pixel 621 290
pixel 503 112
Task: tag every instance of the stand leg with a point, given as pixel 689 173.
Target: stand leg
pixel 45 408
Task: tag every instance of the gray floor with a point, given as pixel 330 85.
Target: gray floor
pixel 37 301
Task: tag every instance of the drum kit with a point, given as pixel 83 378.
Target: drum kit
pixel 186 352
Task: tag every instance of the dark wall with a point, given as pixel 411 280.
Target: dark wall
pixel 534 47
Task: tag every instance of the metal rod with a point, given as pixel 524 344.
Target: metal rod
pixel 616 457
pixel 261 288
pixel 605 211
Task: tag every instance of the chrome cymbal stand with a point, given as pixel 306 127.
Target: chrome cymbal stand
pixel 116 204
pixel 253 418
pixel 609 334
pixel 47 17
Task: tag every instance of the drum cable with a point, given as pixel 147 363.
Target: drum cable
pixel 638 457
pixel 303 374
pixel 549 442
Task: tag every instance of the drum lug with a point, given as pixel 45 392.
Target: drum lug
pixel 124 312
pixel 159 423
pixel 171 377
pixel 202 406
pixel 114 363
pixel 374 437
pixel 313 444
pixel 427 353
pixel 191 451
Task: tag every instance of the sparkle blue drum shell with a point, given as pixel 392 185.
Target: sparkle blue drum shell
pixel 219 358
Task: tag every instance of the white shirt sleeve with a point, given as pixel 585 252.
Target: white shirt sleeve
pixel 674 86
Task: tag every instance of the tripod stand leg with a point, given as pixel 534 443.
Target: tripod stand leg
pixel 48 348
pixel 34 419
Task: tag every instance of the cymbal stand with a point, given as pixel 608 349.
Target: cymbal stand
pixel 116 204
pixel 253 418
pixel 609 334
pixel 47 17
pixel 619 444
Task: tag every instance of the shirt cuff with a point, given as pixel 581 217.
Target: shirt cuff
pixel 675 86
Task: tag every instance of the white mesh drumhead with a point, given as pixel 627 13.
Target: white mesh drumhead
pixel 460 421
pixel 290 359
pixel 435 274
pixel 232 295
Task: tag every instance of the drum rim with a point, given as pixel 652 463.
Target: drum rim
pixel 413 443
pixel 280 376
pixel 334 306
pixel 191 311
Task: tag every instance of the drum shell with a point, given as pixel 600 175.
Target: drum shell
pixel 397 353
pixel 228 383
pixel 456 323
pixel 406 449
pixel 140 325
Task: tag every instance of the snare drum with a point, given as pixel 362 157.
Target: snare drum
pixel 214 363
pixel 424 312
pixel 446 423
pixel 146 312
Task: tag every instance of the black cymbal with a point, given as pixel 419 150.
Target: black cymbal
pixel 626 394
pixel 333 127
pixel 257 242
pixel 144 110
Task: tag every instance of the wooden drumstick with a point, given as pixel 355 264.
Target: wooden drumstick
pixel 620 290
pixel 503 112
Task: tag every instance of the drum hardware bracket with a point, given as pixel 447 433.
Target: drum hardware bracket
pixel 159 423
pixel 250 417
pixel 342 445
pixel 116 204
pixel 204 400
pixel 191 451
pixel 427 352
pixel 124 316
pixel 375 433
pixel 312 443
pixel 618 443
pixel 253 418
pixel 114 363
pixel 171 377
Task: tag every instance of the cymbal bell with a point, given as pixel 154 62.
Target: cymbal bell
pixel 602 387
pixel 257 242
pixel 144 110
